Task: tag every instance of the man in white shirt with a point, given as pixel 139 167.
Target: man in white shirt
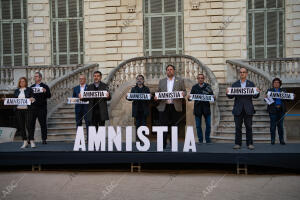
pixel 170 110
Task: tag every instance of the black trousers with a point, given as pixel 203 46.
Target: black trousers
pixel 41 115
pixel 140 120
pixel 169 117
pixel 247 119
pixel 96 120
pixel 24 118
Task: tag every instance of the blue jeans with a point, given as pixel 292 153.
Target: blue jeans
pixel 277 120
pixel 207 129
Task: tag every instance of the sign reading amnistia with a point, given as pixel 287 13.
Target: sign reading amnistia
pixel 169 95
pixel 202 97
pixel 242 91
pixel 139 96
pixel 95 94
pixel 17 101
pixel 281 95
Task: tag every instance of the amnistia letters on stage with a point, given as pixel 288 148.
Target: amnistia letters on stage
pixel 106 138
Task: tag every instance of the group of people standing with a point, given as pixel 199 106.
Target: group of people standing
pixel 26 115
pixel 95 113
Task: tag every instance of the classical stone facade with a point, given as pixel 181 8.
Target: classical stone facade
pixel 214 31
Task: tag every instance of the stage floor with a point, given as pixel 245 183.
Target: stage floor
pixel 61 153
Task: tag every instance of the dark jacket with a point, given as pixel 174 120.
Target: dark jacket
pixel 28 94
pixel 41 98
pixel 202 107
pixel 243 101
pixel 144 104
pixel 272 108
pixel 102 102
pixel 76 92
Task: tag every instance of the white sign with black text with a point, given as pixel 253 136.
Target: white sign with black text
pixel 17 102
pixel 95 94
pixel 242 91
pixel 37 89
pixel 138 96
pixel 72 100
pixel 169 95
pixel 281 95
pixel 202 97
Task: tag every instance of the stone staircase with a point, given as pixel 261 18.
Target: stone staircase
pixel 62 124
pixel 226 129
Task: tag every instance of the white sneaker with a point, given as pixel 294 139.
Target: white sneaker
pixel 32 144
pixel 25 144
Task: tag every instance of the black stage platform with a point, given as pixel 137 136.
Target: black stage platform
pixel 61 153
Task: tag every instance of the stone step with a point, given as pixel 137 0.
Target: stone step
pixel 254 119
pixel 63 124
pixel 231 139
pixel 71 115
pixel 255 132
pixel 231 102
pixel 255 122
pixel 228 111
pixel 232 125
pixel 61 119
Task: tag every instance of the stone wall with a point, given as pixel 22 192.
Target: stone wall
pixel 215 32
pixel 39 43
pixel 112 33
pixel 292 28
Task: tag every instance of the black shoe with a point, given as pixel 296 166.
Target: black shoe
pixel 44 142
pixel 282 143
pixel 272 143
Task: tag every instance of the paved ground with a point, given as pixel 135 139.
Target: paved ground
pixel 147 186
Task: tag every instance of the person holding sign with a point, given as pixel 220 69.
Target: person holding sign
pixel 98 97
pixel 170 103
pixel 140 104
pixel 276 111
pixel 24 113
pixel 202 108
pixel 39 107
pixel 243 91
pixel 81 109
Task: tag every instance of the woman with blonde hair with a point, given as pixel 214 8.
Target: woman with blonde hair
pixel 23 112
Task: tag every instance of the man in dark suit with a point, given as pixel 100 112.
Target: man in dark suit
pixel 140 108
pixel 243 110
pixel 39 107
pixel 202 108
pixel 170 109
pixel 97 108
pixel 277 111
pixel 81 109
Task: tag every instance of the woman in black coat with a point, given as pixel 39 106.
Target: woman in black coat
pixel 23 112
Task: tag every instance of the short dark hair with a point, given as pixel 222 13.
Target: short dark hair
pixel 244 68
pixel 40 74
pixel 277 79
pixel 200 74
pixel 169 65
pixel 140 75
pixel 98 72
